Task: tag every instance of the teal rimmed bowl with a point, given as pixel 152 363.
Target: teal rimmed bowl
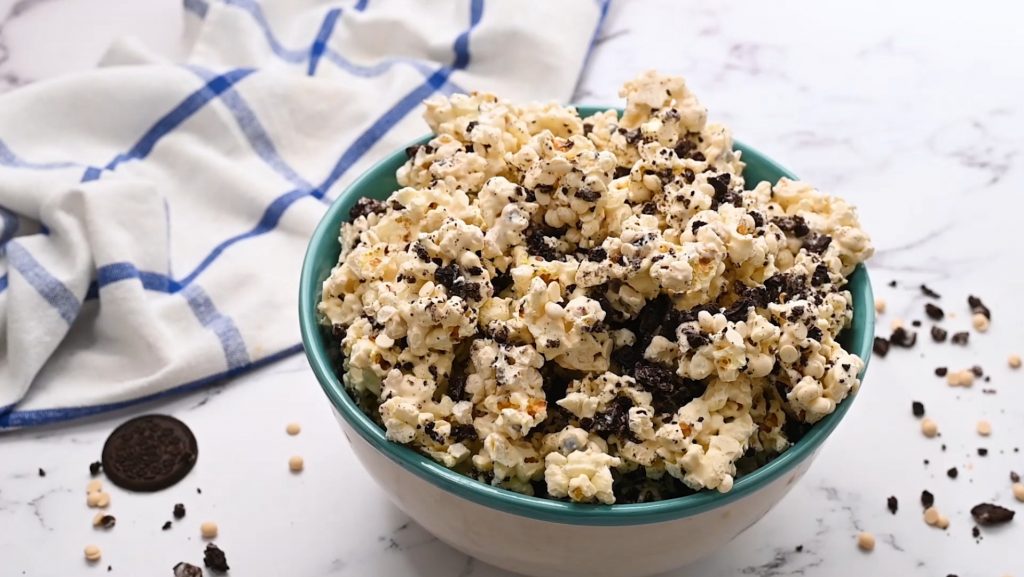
pixel 541 536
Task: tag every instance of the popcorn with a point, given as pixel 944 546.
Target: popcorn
pixel 597 303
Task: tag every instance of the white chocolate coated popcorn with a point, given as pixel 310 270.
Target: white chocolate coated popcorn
pixel 594 309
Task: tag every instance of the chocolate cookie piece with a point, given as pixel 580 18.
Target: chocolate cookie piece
pixel 149 453
pixel 989 514
pixel 214 558
pixel 187 570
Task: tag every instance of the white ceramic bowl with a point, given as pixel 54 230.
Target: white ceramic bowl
pixel 545 537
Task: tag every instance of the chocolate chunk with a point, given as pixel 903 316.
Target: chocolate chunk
pixel 365 207
pixel 941 371
pixel 952 473
pixel 901 337
pixel 987 514
pixel 880 347
pixel 814 333
pixel 698 156
pixel 927 499
pixel 187 570
pixel 817 243
pixel 975 532
pixel 695 338
pixel 166 526
pixel 738 311
pixel 620 171
pixel 934 312
pixel 915 323
pixel 108 521
pixel 892 504
pixel 929 292
pixel 501 282
pixel 939 334
pixel 587 128
pixel 1014 477
pixel 793 225
pixel 42 473
pixel 614 420
pixel 179 510
pixel 758 218
pixel 978 307
pixel 214 558
pixel 917 408
pixel 149 453
pixel 597 254
pixel 960 338
pixel 982 452
pixel 457 383
pixel 668 390
pixel 978 371
pixel 695 226
pixel 95 468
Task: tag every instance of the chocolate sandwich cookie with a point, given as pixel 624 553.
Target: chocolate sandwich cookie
pixel 149 453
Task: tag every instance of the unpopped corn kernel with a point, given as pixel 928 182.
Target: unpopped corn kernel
pixel 866 541
pixel 92 553
pixel 984 428
pixel 929 427
pixel 208 530
pixel 980 322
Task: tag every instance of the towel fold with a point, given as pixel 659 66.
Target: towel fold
pixel 153 215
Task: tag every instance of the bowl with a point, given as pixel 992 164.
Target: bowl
pixel 544 537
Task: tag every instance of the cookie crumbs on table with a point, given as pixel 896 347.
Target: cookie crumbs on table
pixel 982 452
pixel 892 504
pixel 866 541
pixel 927 499
pixel 960 338
pixel 104 520
pixel 179 510
pixel 939 334
pixel 929 292
pixel 187 570
pixel 880 347
pixel 917 408
pixel 952 473
pixel 897 323
pixel 166 526
pixel 94 486
pixel 941 371
pixel 935 313
pixel 962 378
pixel 95 468
pixel 987 514
pixel 214 559
pixel 42 473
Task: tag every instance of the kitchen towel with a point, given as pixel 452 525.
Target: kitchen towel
pixel 154 215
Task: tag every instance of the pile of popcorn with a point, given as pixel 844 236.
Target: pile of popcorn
pixel 593 308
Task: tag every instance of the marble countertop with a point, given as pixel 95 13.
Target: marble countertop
pixel 913 115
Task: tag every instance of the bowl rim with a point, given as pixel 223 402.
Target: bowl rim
pixel 524 505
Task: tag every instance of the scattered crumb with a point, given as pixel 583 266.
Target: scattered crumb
pixel 929 292
pixel 866 541
pixel 296 464
pixel 929 428
pixel 293 429
pixel 980 322
pixel 984 428
pixel 988 514
pixel 880 347
pixel 95 468
pixel 892 504
pixel 1014 361
pixel 208 530
pixel 799 548
pixel 960 338
pixel 917 408
pixel 179 510
pixel 943 522
pixel 982 452
pixel 901 337
pixel 214 558
pixel 92 553
pixel 952 473
pixel 166 527
pixel 42 473
pixel 941 371
pixel 935 313
pixel 104 520
pixel 187 570
pixel 939 334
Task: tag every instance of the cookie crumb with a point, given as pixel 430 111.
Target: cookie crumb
pixel 917 408
pixel 941 371
pixel 901 337
pixel 939 334
pixel 187 570
pixel 952 473
pixel 988 514
pixel 92 553
pixel 179 510
pixel 880 306
pixel 984 428
pixel 1014 477
pixel 929 292
pixel 208 530
pixel 296 464
pixel 980 322
pixel 880 347
pixel 866 541
pixel 104 520
pixel 213 557
pixel 42 473
pixel 1014 361
pixel 927 499
pixel 960 338
pixel 982 452
pixel 929 428
pixel 799 548
pixel 95 468
pixel 293 429
pixel 892 504
pixel 166 526
pixel 935 313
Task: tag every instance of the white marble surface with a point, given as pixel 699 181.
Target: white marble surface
pixel 911 111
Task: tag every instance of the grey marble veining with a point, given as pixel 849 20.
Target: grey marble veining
pixel 913 112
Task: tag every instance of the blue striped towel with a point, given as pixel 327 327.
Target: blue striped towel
pixel 154 215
